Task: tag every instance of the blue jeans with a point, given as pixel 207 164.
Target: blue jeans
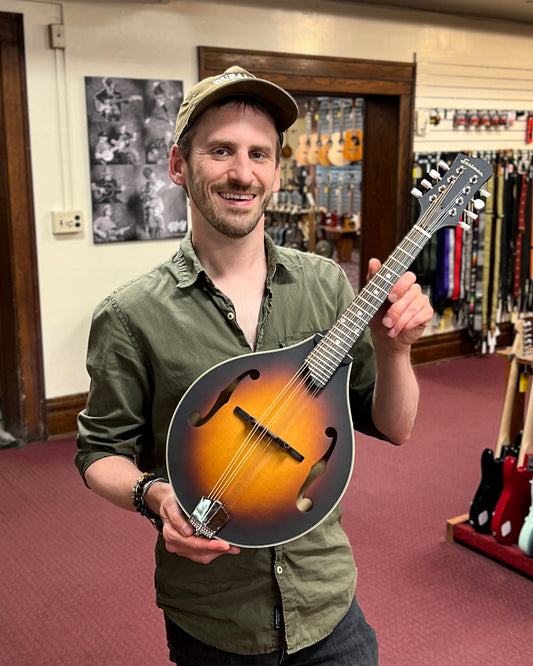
pixel 352 643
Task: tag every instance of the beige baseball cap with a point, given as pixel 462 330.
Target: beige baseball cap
pixel 236 81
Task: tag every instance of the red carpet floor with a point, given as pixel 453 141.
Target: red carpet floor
pixel 77 573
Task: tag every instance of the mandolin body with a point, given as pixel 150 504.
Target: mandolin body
pixel 271 495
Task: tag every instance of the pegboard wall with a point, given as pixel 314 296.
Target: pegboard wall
pixel 476 105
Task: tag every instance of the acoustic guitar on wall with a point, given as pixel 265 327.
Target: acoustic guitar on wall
pixel 260 448
pixel 353 139
pixel 336 150
pixel 323 153
pixel 304 141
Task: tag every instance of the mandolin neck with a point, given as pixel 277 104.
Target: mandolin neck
pixel 336 344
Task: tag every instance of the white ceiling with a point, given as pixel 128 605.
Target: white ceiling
pixel 520 11
pixel 504 10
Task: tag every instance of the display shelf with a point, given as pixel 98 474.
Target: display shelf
pixel 458 530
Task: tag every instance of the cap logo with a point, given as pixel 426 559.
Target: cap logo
pixel 231 77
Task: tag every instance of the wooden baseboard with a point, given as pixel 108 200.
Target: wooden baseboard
pixel 62 413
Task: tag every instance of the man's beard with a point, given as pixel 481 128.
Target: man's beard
pixel 228 223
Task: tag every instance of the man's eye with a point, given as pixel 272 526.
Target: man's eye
pixel 222 152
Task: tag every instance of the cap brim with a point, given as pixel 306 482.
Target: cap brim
pixel 280 103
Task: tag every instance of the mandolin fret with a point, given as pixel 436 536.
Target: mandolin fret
pixel 335 346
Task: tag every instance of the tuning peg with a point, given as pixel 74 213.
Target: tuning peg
pixel 443 165
pixel 416 192
pixel 485 193
pixel 464 225
pixel 435 174
pixel 478 204
pixel 425 183
pixel 471 215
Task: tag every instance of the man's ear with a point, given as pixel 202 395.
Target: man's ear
pixel 176 166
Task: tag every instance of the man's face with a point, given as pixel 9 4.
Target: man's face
pixel 232 169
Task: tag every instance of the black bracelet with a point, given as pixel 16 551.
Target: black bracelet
pixel 140 487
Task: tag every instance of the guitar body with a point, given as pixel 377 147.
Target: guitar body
pixel 525 538
pixel 488 493
pixel 325 145
pixel 302 151
pixel 270 495
pixel 353 145
pixel 314 147
pixel 513 505
pixel 336 151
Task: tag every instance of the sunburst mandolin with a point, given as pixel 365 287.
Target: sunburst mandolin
pixel 260 448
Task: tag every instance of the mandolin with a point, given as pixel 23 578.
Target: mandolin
pixel 260 448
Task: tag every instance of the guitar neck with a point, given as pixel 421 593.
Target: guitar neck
pixel 333 348
pixel 442 206
pixel 527 435
pixel 504 433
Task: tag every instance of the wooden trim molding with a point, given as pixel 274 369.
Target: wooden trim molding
pixel 62 413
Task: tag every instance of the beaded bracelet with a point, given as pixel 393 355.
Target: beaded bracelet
pixel 139 490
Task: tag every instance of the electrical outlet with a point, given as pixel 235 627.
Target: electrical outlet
pixel 56 32
pixel 67 222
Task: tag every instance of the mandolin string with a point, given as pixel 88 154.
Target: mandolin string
pixel 268 450
pixel 240 459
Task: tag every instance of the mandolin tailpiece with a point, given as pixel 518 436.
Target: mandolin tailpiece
pixel 208 517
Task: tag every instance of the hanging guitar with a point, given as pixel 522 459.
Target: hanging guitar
pixel 260 448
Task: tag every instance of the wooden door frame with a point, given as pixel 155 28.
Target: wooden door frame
pixel 388 89
pixel 21 355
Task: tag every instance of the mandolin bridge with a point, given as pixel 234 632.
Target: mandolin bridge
pixel 208 517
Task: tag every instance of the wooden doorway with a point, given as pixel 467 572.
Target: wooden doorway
pixel 21 359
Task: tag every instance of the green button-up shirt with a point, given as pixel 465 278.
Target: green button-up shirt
pixel 150 339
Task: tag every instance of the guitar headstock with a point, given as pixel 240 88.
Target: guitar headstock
pixel 444 203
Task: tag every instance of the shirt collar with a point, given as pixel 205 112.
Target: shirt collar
pixel 189 267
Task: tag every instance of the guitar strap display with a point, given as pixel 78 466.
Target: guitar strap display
pixel 520 230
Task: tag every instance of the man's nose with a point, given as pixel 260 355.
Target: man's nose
pixel 241 169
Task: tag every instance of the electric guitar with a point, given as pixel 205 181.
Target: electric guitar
pixel 525 538
pixel 514 502
pixel 260 448
pixel 491 484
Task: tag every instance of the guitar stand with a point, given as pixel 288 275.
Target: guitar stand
pixel 459 530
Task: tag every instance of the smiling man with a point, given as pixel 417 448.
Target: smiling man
pixel 228 291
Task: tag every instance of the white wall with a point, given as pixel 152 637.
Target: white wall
pixel 152 40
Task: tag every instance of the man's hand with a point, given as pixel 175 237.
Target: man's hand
pixel 401 320
pixel 178 532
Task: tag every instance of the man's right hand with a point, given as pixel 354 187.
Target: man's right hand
pixel 178 533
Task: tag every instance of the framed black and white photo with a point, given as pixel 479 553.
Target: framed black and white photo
pixel 131 131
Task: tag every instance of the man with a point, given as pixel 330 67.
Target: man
pixel 228 291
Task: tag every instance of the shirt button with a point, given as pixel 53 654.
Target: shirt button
pixel 279 569
pixel 231 316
